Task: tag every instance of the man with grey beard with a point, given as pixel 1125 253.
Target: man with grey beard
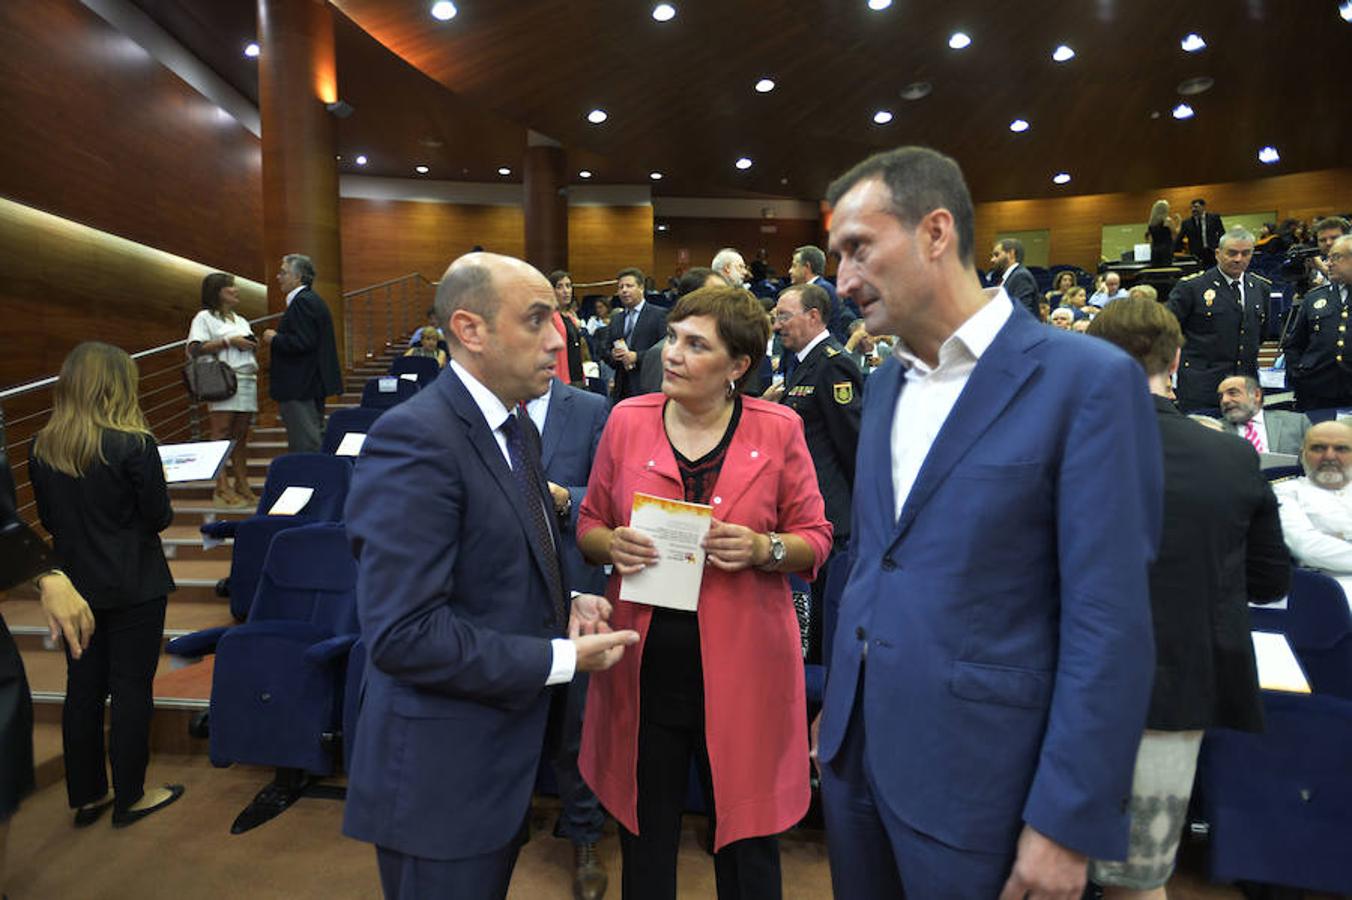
pixel 1316 510
pixel 1268 430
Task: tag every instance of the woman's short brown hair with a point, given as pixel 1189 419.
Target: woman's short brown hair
pixel 743 325
pixel 1144 328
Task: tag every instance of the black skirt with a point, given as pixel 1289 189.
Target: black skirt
pixel 16 728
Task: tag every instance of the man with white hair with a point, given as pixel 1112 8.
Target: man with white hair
pixel 1062 317
pixel 1112 290
pixel 729 264
pixel 1316 510
pixel 1222 311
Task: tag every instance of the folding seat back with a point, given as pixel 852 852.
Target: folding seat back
pixel 342 422
pixel 423 367
pixel 385 391
pixel 330 478
pixel 1318 624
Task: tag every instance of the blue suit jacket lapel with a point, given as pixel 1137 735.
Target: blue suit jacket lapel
pixel 875 443
pixel 997 378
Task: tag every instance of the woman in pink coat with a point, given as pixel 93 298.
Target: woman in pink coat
pixel 724 685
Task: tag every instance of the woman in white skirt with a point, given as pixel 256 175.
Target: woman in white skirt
pixel 218 330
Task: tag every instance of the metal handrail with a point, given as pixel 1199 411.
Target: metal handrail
pixel 397 304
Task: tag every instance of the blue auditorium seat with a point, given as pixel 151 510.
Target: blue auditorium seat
pixel 425 367
pixel 1279 473
pixel 1278 805
pixel 1318 624
pixel 329 476
pixel 385 391
pixel 342 421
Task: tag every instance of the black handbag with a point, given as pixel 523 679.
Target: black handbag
pixel 209 380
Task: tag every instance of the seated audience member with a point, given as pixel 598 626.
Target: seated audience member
pixel 1144 292
pixel 1062 318
pixel 427 346
pixel 1270 430
pixel 1111 290
pixel 1317 510
pixel 416 337
pixel 1215 500
pixel 867 351
pixel 1044 311
pixel 1080 326
pixel 1075 300
pixel 1064 281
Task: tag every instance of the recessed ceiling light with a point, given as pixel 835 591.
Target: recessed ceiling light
pixel 1061 178
pixel 251 50
pixel 664 12
pixel 597 116
pixel 765 86
pixel 504 171
pixel 1183 111
pixel 661 228
pixel 1018 126
pixel 444 10
pixel 882 117
pixel 743 163
pixel 1269 155
pixel 585 173
pixel 1345 10
pixel 1192 42
pixel 421 170
pixel 655 176
pixel 958 41
pixel 916 90
pixel 876 5
pixel 1063 54
pixel 361 160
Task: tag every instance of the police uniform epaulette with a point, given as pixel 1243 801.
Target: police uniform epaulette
pixel 1192 276
pixel 831 351
pixel 1283 479
pixel 1267 281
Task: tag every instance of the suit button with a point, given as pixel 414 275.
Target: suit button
pixel 860 633
pixel 889 564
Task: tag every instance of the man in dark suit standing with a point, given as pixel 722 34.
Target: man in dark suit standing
pixel 1007 269
pixel 461 598
pixel 304 357
pixel 808 266
pixel 1222 311
pixel 1316 358
pixel 1221 548
pixel 991 664
pixel 633 328
pixel 570 422
pixel 1202 232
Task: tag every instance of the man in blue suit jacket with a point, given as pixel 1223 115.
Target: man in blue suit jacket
pixel 570 422
pixel 461 599
pixel 993 655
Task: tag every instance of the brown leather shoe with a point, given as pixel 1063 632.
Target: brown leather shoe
pixel 589 878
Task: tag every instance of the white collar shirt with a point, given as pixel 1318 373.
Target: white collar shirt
pixel 291 294
pixel 802 354
pixel 929 394
pixel 494 411
pixel 1005 276
pixel 538 409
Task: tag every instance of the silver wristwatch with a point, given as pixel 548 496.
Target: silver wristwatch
pixel 777 549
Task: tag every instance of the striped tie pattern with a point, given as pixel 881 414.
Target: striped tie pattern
pixel 1251 435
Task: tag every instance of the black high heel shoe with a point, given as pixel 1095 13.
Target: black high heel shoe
pixel 88 815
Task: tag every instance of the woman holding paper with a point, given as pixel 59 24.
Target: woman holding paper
pixel 722 685
pixel 100 493
pixel 219 330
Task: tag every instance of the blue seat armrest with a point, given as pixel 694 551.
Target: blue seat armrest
pixel 199 643
pixel 331 649
pixel 221 529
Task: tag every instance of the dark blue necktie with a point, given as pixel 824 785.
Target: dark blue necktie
pixel 526 471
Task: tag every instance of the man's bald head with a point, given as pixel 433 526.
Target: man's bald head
pixel 1326 455
pixel 474 283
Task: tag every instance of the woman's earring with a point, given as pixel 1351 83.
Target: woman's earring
pixel 732 388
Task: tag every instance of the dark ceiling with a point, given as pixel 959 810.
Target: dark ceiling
pixel 680 94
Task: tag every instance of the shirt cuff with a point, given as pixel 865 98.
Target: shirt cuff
pixel 565 661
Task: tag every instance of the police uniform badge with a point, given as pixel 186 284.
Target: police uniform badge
pixel 844 392
pixel 1320 303
pixel 1209 296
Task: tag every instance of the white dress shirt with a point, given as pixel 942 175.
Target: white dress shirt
pixel 802 354
pixel 495 413
pixel 1317 525
pixel 929 394
pixel 291 294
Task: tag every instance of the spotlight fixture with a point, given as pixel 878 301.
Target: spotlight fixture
pixel 877 5
pixel 1061 178
pixel 655 176
pixel 959 41
pixel 597 116
pixel 1192 42
pixel 421 170
pixel 664 12
pixel 1018 126
pixel 1345 10
pixel 1183 111
pixel 1063 53
pixel 743 163
pixel 585 173
pixel 765 86
pixel 444 10
pixel 1269 156
pixel 503 170
pixel 361 159
pixel 882 117
pixel 661 227
pixel 252 50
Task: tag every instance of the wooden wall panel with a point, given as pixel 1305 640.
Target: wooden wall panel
pixel 705 237
pixel 98 132
pixel 604 239
pixel 1076 222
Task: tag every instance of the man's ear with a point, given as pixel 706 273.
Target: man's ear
pixel 936 233
pixel 470 330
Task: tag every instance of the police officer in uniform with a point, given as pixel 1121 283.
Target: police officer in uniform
pixel 1314 344
pixel 825 388
pixel 1222 311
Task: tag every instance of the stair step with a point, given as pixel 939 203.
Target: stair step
pixel 28 623
pixel 196 579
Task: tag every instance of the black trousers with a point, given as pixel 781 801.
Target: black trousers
pixel 120 661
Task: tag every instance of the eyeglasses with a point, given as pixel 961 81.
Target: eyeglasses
pixel 781 317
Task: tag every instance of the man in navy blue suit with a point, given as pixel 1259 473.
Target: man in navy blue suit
pixel 461 598
pixel 570 422
pixel 993 655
